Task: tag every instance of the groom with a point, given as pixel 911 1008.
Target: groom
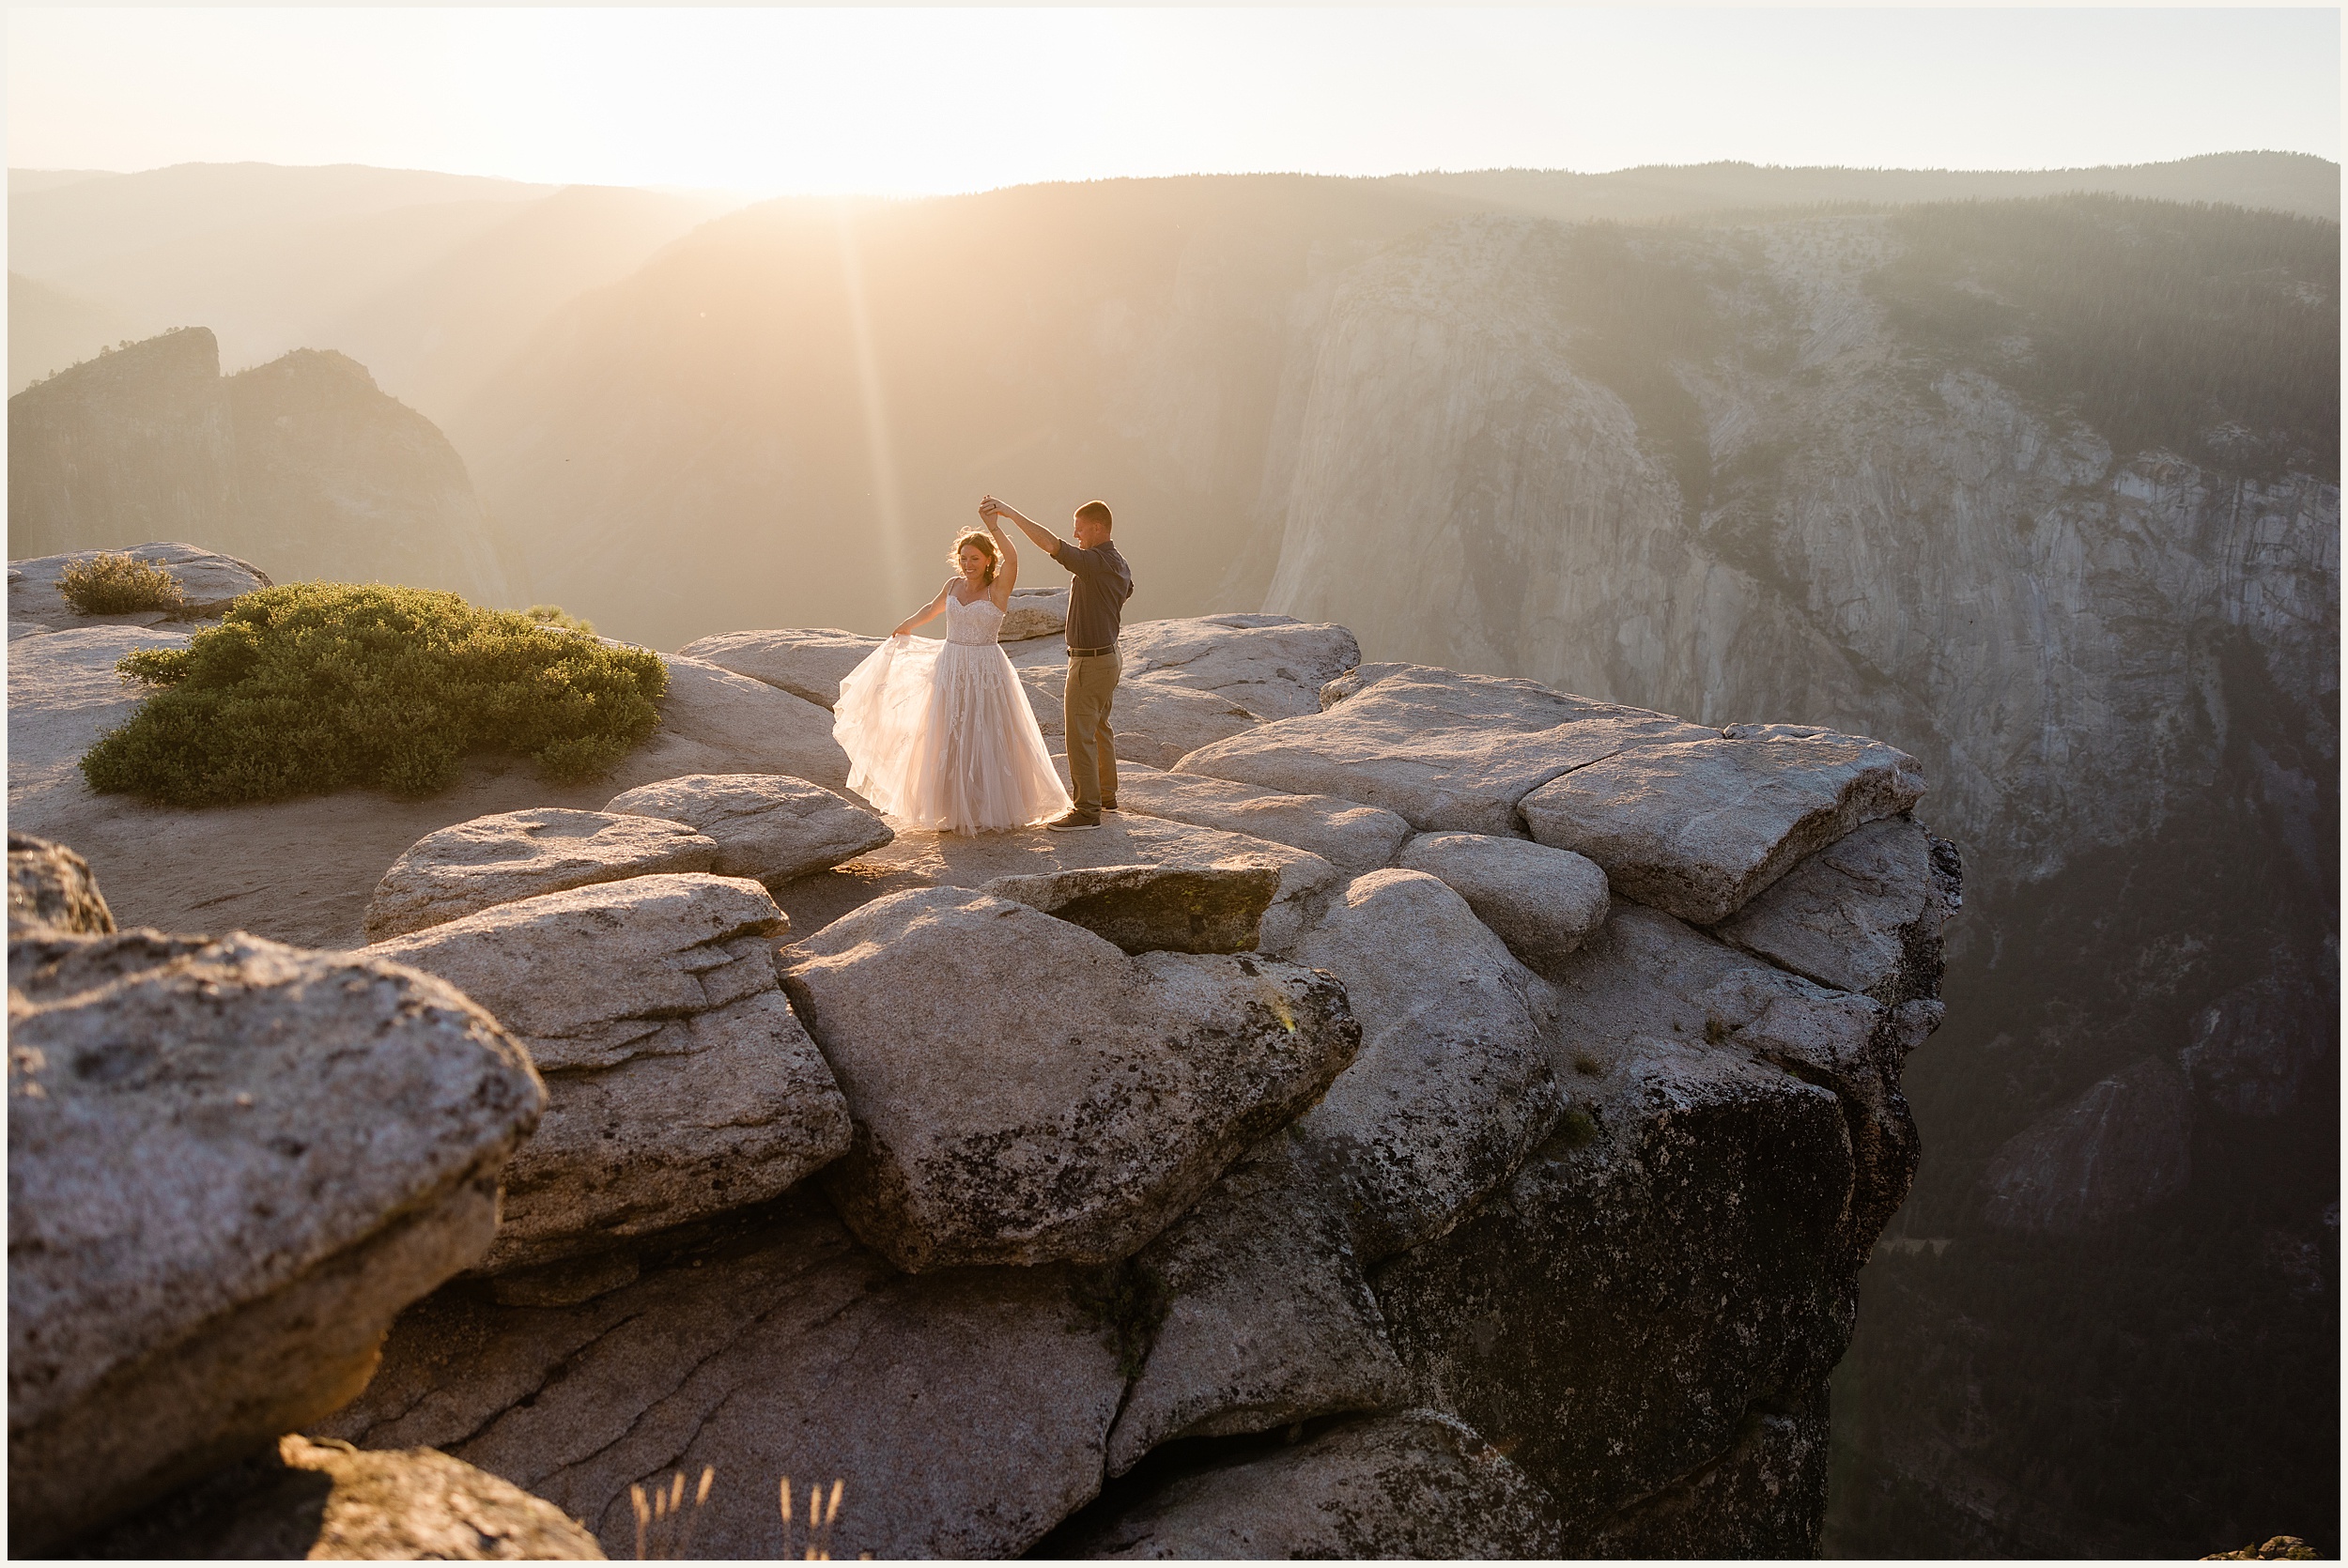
pixel 1096 603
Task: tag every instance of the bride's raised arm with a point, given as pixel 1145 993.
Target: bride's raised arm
pixel 930 613
pixel 1007 575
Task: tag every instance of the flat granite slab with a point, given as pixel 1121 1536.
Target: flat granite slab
pixel 1445 751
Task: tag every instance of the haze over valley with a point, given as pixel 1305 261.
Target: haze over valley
pixel 2033 475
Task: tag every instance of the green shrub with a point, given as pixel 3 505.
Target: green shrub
pixel 315 686
pixel 112 584
pixel 555 615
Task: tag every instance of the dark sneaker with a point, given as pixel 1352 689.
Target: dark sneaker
pixel 1109 804
pixel 1074 821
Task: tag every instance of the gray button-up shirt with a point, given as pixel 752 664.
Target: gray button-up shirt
pixel 1096 599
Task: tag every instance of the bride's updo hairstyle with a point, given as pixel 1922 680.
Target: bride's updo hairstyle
pixel 987 548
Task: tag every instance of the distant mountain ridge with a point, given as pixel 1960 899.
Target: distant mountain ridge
pixel 431 279
pixel 301 466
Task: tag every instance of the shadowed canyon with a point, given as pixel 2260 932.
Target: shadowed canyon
pixel 2034 477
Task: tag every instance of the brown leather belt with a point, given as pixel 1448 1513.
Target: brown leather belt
pixel 1090 652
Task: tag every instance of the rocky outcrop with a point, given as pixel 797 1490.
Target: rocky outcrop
pixel 1445 751
pixel 679 1083
pixel 329 1500
pixel 230 1163
pixel 806 664
pixel 1073 1122
pixel 208 582
pixel 1696 829
pixel 1418 1485
pixel 766 826
pixel 999 1198
pixel 1862 915
pixel 463 869
pixel 964 1413
pixel 1035 613
pixel 1268 664
pixel 1451 1089
pixel 300 464
pixel 305 871
pixel 1268 1319
pixel 1354 838
pixel 2123 1144
pixel 946 860
pixel 1543 903
pixel 1146 909
pixel 1155 721
pixel 49 887
pixel 713 721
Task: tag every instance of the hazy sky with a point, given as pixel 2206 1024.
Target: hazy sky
pixel 957 98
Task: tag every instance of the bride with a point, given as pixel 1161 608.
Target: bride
pixel 939 734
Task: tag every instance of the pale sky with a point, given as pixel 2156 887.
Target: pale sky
pixel 943 99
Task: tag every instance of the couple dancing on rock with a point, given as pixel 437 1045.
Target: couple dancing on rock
pixel 939 734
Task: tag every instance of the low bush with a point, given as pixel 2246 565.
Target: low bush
pixel 555 615
pixel 310 687
pixel 109 583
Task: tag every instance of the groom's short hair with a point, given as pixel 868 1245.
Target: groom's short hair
pixel 1095 511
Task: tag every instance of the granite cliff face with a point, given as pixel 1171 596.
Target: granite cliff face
pixel 301 463
pixel 1790 508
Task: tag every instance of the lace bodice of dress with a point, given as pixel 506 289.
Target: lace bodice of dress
pixel 976 622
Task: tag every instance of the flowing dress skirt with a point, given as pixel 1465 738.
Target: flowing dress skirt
pixel 939 735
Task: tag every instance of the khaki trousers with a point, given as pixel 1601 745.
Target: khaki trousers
pixel 1091 746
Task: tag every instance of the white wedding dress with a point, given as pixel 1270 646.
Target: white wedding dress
pixel 939 734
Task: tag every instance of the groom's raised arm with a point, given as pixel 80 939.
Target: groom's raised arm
pixel 1045 539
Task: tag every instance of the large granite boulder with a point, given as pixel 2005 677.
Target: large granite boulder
pixel 1156 721
pixel 474 865
pixel 713 720
pixel 1023 1091
pixel 1542 902
pixel 1609 1319
pixel 1035 613
pixel 766 826
pixel 965 1412
pixel 230 1163
pixel 1452 1088
pixel 679 1082
pixel 1764 1497
pixel 1418 1485
pixel 1267 1321
pixel 1697 827
pixel 64 693
pixel 950 860
pixel 2123 1144
pixel 51 887
pixel 206 579
pixel 328 1499
pixel 807 664
pixel 1854 914
pixel 1271 665
pixel 1146 909
pixel 1445 751
pixel 1353 838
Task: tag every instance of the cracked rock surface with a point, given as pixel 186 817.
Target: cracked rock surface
pixel 229 1165
pixel 679 1082
pixel 966 1410
pixel 1073 1125
pixel 517 854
